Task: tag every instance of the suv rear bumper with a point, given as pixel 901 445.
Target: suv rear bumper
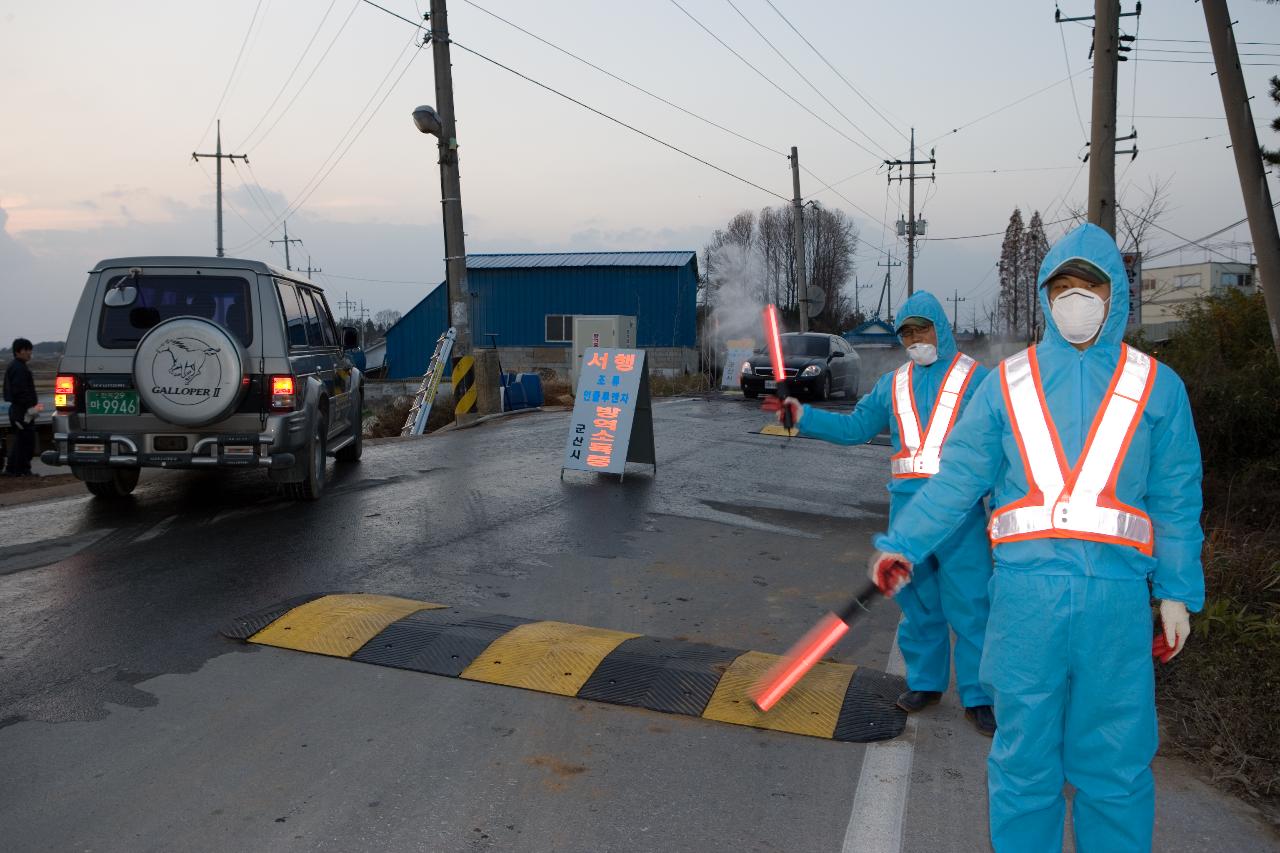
pixel 226 450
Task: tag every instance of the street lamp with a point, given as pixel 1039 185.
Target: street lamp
pixel 427 120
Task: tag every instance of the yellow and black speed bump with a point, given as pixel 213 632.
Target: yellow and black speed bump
pixel 244 627
pixel 441 642
pixel 674 676
pixel 834 700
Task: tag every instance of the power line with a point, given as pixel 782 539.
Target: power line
pixel 1184 142
pixel 1004 171
pixel 1196 52
pixel 617 121
pixel 377 280
pixel 854 88
pixel 1062 34
pixel 1006 106
pixel 626 82
pixel 592 109
pixel 770 81
pixel 311 74
pixel 1210 62
pixel 816 90
pixel 309 188
pixel 289 79
pixel 1186 243
pixel 996 233
pixel 1206 41
pixel 231 77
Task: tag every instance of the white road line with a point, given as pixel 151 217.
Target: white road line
pixel 156 529
pixel 880 803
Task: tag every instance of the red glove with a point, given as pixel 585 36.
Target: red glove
pixel 889 572
pixel 773 404
pixel 1161 650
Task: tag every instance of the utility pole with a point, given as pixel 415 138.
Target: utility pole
pixel 450 184
pixel 310 269
pixel 912 227
pixel 1244 144
pixel 1102 128
pixel 797 234
pixel 886 292
pixel 1107 51
pixel 857 308
pixel 286 242
pixel 218 157
pixel 345 304
pixel 955 311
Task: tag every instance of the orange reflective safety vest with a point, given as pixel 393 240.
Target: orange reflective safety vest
pixel 922 458
pixel 1076 503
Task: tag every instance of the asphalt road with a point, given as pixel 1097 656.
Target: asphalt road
pixel 128 723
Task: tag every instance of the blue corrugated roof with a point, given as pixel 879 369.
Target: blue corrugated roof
pixel 580 259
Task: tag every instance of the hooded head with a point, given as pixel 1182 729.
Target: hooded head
pixel 926 305
pixel 1088 243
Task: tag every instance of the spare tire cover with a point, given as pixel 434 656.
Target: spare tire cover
pixel 187 371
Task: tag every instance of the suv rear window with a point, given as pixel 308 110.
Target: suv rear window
pixel 222 299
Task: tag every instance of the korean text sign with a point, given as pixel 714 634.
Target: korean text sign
pixel 604 410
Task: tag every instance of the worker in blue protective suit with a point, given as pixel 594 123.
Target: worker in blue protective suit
pixel 919 403
pixel 1089 449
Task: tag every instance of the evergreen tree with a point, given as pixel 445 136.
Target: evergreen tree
pixel 1035 245
pixel 1012 296
pixel 1272 156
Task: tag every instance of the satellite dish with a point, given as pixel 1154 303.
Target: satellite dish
pixel 817 300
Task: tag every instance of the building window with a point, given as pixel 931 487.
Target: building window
pixel 559 328
pixel 1148 284
pixel 1237 279
pixel 1181 282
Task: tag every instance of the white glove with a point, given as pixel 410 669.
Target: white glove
pixel 889 572
pixel 791 404
pixel 1176 624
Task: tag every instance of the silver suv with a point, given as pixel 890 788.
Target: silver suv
pixel 176 362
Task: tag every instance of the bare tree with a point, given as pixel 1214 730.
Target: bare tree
pixel 829 258
pixel 385 319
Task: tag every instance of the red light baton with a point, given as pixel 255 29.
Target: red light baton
pixel 801 657
pixel 773 335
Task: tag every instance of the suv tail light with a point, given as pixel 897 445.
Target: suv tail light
pixel 64 394
pixel 282 396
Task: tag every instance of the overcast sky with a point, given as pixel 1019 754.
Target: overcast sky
pixel 103 104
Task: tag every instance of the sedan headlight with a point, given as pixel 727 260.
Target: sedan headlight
pixel 746 367
pixel 811 370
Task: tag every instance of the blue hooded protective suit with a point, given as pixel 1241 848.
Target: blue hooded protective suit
pixel 1068 645
pixel 949 589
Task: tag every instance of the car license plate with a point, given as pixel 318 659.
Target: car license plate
pixel 770 385
pixel 111 403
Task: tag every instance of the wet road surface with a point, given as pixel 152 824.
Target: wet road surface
pixel 128 723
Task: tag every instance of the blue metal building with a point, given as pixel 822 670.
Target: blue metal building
pixel 524 300
pixel 412 339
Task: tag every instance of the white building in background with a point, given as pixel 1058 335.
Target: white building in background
pixel 1165 290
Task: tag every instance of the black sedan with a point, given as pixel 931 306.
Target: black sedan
pixel 817 365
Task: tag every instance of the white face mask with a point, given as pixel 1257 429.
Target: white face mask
pixel 1079 314
pixel 922 354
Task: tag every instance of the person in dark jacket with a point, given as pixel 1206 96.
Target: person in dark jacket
pixel 20 394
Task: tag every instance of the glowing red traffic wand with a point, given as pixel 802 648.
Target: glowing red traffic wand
pixel 801 657
pixel 773 336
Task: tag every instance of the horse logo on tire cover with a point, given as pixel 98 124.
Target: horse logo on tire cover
pixel 186 371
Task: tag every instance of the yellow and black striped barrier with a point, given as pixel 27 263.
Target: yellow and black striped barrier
pixel 464 385
pixel 834 700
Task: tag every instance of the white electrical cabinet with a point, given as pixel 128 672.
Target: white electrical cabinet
pixel 609 331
